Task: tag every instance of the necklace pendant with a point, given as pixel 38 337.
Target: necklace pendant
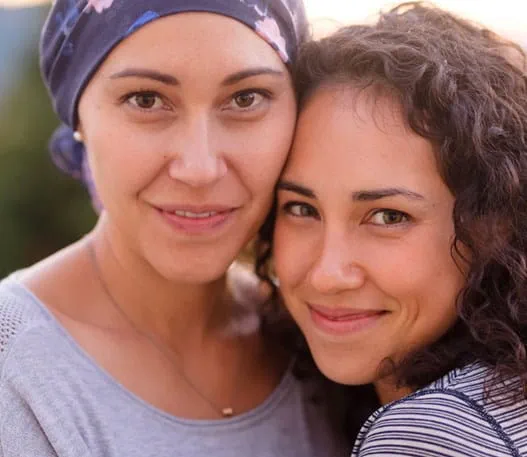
pixel 227 412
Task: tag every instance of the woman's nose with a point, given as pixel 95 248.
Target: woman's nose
pixel 336 269
pixel 198 160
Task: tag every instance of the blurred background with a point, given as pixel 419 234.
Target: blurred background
pixel 40 209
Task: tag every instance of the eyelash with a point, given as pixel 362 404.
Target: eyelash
pixel 129 97
pixel 289 207
pixel 265 94
pixel 402 214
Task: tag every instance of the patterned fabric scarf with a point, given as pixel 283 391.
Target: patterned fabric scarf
pixel 79 34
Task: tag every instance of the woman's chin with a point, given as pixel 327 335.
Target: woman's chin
pixel 343 369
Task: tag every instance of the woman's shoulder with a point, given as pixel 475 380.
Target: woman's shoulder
pixel 467 412
pixel 20 311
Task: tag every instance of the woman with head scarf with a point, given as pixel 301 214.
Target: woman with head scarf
pixel 178 116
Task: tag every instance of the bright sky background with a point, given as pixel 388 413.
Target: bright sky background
pixel 506 16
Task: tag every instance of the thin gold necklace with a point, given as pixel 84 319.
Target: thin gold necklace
pixel 225 412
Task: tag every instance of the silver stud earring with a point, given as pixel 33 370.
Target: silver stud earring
pixel 77 136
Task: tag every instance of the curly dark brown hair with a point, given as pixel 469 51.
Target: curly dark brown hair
pixel 464 88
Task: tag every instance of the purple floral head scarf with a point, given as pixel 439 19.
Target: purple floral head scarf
pixel 79 34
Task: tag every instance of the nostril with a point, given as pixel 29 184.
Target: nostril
pixel 335 278
pixel 197 172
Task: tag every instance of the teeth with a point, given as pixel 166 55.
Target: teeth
pixel 192 215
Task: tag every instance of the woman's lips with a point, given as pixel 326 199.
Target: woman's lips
pixel 204 220
pixel 343 321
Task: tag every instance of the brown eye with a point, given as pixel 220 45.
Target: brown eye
pixel 392 217
pixel 298 209
pixel 389 217
pixel 245 100
pixel 248 100
pixel 146 100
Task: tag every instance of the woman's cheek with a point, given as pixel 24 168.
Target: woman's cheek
pixel 292 250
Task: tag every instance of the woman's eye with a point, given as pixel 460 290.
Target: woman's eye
pixel 246 100
pixel 389 217
pixel 300 210
pixel 145 100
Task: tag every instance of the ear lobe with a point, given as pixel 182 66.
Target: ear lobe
pixel 77 135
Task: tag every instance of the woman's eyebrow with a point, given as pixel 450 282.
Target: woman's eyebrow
pixel 146 73
pixel 377 194
pixel 250 72
pixel 294 187
pixel 173 81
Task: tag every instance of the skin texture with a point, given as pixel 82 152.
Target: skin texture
pixel 194 146
pixel 194 112
pixel 381 264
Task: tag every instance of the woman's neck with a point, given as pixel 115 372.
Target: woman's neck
pixel 174 312
pixel 387 391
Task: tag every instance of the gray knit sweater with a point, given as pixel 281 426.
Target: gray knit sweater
pixel 56 401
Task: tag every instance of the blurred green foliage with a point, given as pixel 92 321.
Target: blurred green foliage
pixel 41 210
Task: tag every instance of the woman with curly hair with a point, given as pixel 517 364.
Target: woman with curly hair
pixel 400 231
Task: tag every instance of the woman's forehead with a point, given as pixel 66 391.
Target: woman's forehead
pixel 78 37
pixel 193 40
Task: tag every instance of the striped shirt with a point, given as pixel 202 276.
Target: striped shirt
pixel 453 417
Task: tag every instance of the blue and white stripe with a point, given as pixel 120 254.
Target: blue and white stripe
pixel 464 414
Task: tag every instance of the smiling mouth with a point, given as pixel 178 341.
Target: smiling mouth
pixel 197 221
pixel 343 321
pixel 191 215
